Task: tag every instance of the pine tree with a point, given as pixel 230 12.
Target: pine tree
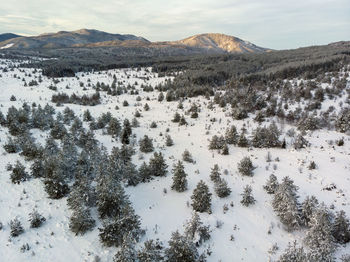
pixel 157 165
pixel 151 251
pixel 113 127
pixel 215 173
pixel 19 174
pixel 201 198
pixel 319 237
pixel 247 198
pixel 145 173
pixel 196 231
pixel 127 253
pixel 271 184
pixel 176 118
pixel 111 196
pixel 245 167
pixel 293 253
pixel 242 140
pixel 119 226
pixel 187 157
pixel 221 188
pixel 341 228
pixel 146 144
pixel 16 228
pixel 308 208
pixel 169 141
pixel 81 221
pixel 231 135
pixel 285 204
pixel 179 178
pixel 182 121
pixel 181 249
pixel 225 150
pixel 36 219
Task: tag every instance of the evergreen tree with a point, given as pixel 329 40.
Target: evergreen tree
pixel 127 252
pixel 221 188
pixel 271 184
pixel 341 228
pixel 181 249
pixel 111 196
pixel 182 121
pixel 201 198
pixel 145 173
pixel 293 253
pixel 285 204
pixel 196 231
pixel 11 146
pixel 55 185
pixel 16 228
pixel 231 135
pixel 169 141
pixel 245 167
pixel 187 157
pixel 118 227
pixel 157 165
pixel 36 219
pixel 176 118
pixel 87 117
pixel 151 251
pixel 319 237
pixel 215 173
pixel 179 178
pixel 113 127
pixel 247 198
pixel 242 140
pixel 146 144
pixel 19 174
pixel 81 221
pixel 308 208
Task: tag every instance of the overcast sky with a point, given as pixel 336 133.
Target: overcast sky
pixel 278 24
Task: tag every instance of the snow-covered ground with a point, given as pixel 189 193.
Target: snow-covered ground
pixel 163 213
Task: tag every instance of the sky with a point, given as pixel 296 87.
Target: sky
pixel 277 24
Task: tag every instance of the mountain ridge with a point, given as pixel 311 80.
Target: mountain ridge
pixel 208 42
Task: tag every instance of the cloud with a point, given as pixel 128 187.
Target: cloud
pixel 270 23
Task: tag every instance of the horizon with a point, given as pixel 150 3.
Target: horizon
pixel 271 24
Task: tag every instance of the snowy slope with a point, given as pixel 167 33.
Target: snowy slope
pixel 163 213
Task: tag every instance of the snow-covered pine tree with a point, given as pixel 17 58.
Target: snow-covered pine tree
pixel 157 165
pixel 341 228
pixel 247 197
pixel 16 227
pixel 319 237
pixel 245 167
pixel 271 184
pixel 81 221
pixel 308 208
pixel 215 173
pixel 36 219
pixel 127 252
pixel 293 253
pixel 181 249
pixel 179 178
pixel 221 188
pixel 146 144
pixel 231 135
pixel 201 198
pixel 152 251
pixel 286 205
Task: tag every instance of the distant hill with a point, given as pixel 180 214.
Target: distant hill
pixel 204 43
pixel 64 39
pixel 7 36
pixel 220 42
